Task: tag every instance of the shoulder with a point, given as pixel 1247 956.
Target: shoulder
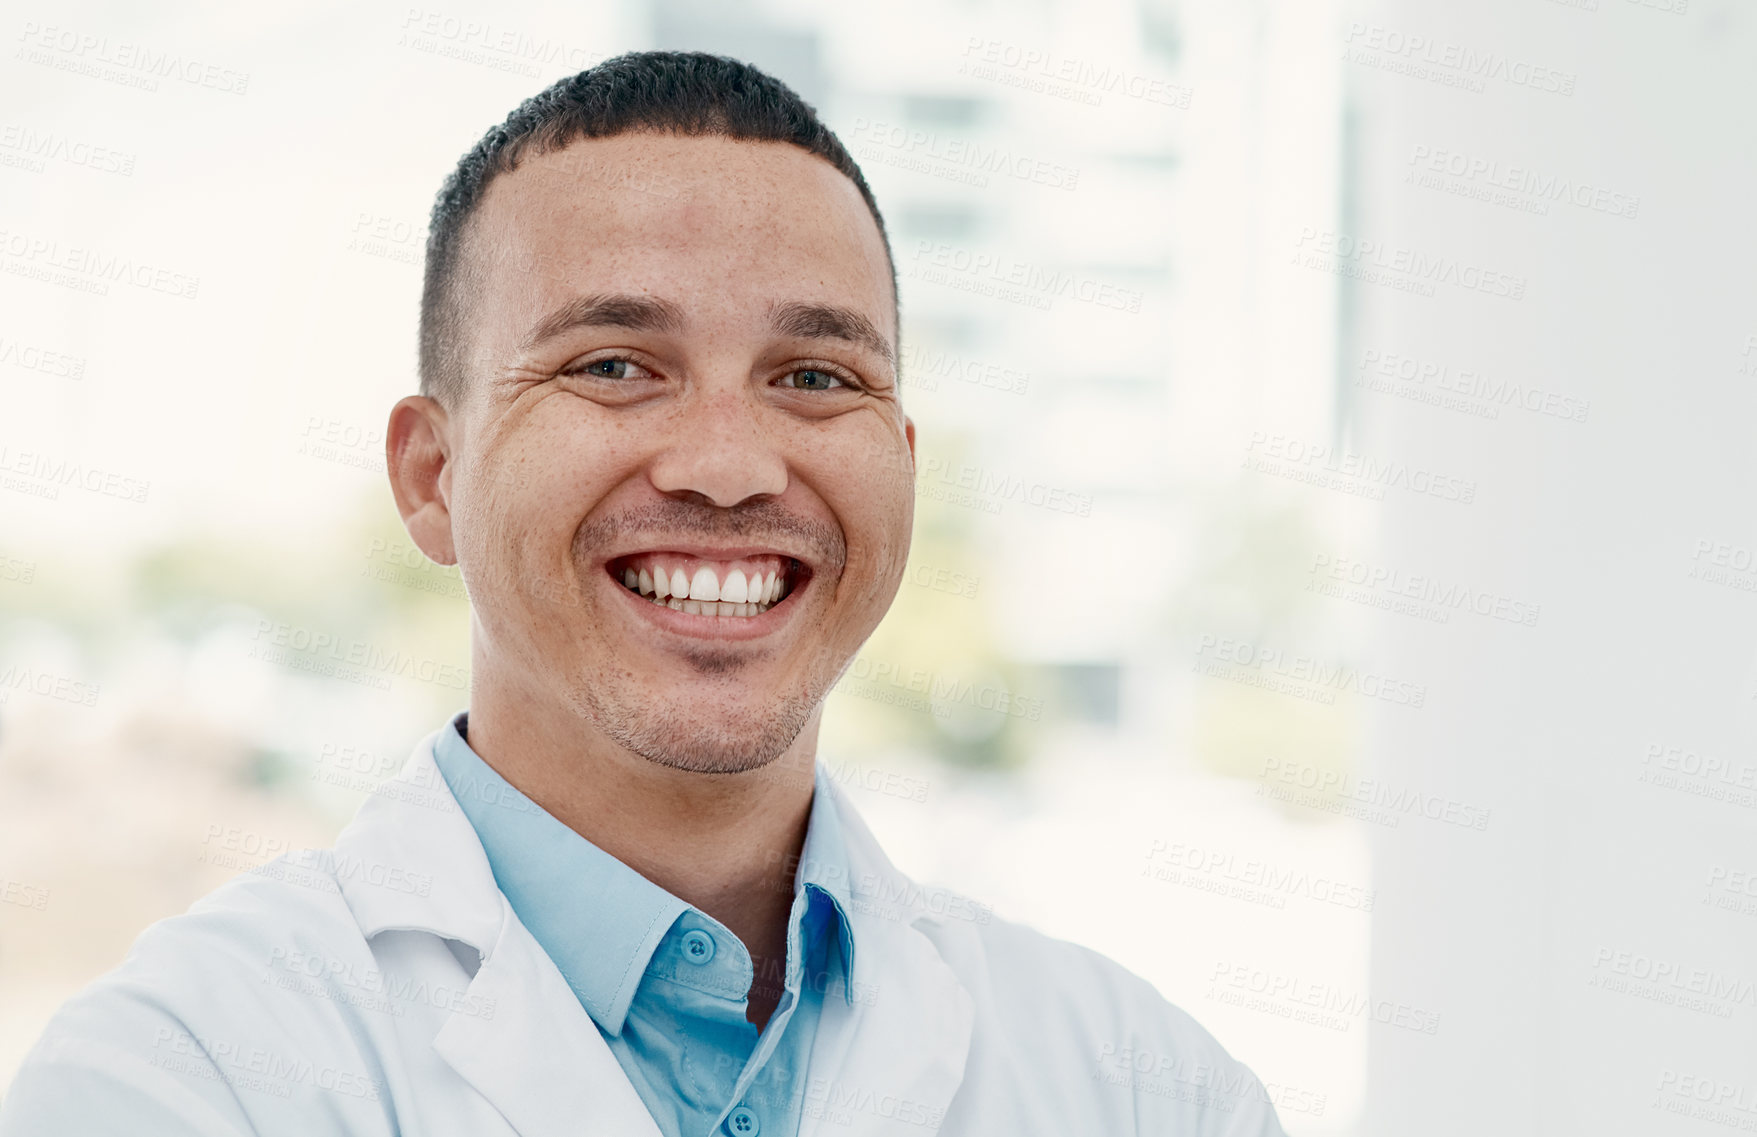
pixel 283 920
pixel 1063 1039
pixel 213 1018
pixel 1092 1018
pixel 1090 995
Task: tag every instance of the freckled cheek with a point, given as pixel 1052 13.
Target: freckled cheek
pixel 565 475
pixel 876 526
pixel 500 522
pixel 867 482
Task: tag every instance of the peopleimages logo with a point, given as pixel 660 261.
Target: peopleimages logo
pixel 1379 801
pixel 1248 878
pixel 1318 1003
pixel 1302 676
pixel 1165 1073
pixel 997 487
pixel 45 476
pixel 343 657
pixel 1670 983
pixel 246 1066
pixel 969 270
pixel 1471 391
pixel 885 141
pixel 31 357
pixel 925 367
pixel 48 685
pixel 1349 471
pixel 135 64
pixel 1702 1098
pixel 89 270
pixel 1063 76
pixel 1541 188
pixel 24 895
pixel 1364 255
pixel 37 147
pixel 940 690
pixel 379 990
pixel 1393 50
pixel 1382 585
pixel 479 41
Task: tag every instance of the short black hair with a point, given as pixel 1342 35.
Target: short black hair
pixel 676 92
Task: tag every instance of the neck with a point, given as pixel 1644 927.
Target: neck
pixel 726 843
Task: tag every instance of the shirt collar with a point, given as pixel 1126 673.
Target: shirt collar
pixel 598 919
pixel 823 866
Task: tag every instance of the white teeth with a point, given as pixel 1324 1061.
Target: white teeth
pixel 704 585
pixel 703 594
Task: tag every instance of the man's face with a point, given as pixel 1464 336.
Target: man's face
pixel 679 383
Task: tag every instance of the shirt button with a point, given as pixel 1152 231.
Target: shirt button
pixel 742 1123
pixel 698 947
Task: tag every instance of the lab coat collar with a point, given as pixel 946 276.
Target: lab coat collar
pixel 905 1036
pixel 597 918
pixel 522 1038
pixel 412 824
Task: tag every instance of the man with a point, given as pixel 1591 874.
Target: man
pixel 660 433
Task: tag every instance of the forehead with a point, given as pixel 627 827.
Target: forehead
pixel 725 228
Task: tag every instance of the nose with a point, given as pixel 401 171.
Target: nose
pixel 720 449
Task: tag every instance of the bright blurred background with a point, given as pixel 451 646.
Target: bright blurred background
pixel 1332 591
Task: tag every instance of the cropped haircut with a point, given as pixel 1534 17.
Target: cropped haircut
pixel 670 92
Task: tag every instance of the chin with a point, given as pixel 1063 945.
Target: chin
pixel 696 734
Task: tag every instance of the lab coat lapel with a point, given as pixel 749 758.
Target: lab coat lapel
pixel 890 1062
pixel 519 1036
pixel 539 1059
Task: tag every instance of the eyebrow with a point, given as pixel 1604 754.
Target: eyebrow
pixel 827 321
pixel 636 313
pixel 647 314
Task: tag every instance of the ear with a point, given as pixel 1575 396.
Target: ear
pixel 417 455
pixel 909 433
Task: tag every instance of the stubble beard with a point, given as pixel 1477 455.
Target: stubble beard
pixel 704 737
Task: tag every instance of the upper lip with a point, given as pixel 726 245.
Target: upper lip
pixel 711 552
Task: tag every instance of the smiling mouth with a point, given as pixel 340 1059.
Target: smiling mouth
pixel 737 589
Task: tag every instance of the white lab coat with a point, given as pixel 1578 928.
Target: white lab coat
pixel 389 989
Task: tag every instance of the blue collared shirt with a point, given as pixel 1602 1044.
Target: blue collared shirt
pixel 665 982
